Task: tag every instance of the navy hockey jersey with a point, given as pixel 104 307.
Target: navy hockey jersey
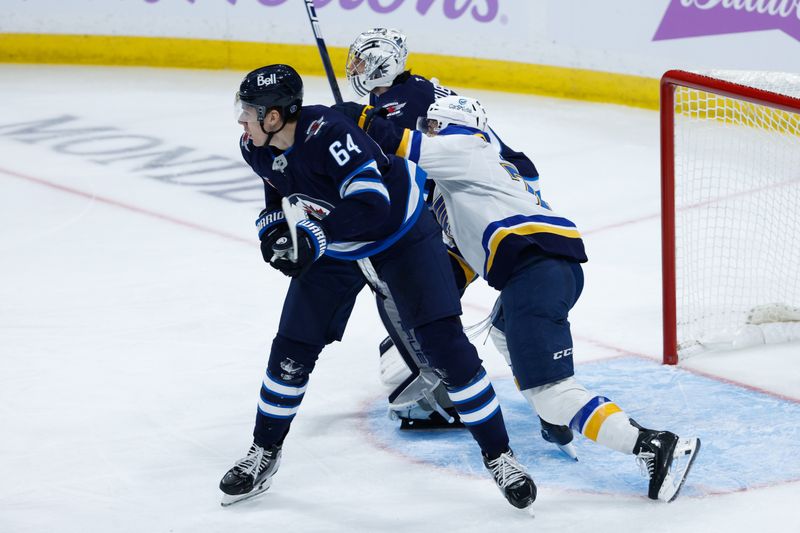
pixel 409 98
pixel 365 200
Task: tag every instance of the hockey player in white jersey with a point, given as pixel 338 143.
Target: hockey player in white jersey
pixel 532 255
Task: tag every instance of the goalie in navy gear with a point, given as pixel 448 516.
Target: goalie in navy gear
pixel 349 211
pixel 376 66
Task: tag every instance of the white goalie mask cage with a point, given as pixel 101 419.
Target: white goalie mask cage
pixel 461 110
pixel 375 59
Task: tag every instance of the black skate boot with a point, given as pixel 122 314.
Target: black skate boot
pixel 250 475
pixel 666 459
pixel 561 436
pixel 512 479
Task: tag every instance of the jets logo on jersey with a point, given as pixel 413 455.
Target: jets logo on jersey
pixel 314 127
pixel 394 109
pixel 313 208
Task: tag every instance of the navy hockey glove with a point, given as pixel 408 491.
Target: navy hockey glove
pixel 311 244
pixel 271 225
pixel 359 113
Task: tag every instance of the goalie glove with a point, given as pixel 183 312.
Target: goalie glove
pixel 359 113
pixel 311 244
pixel 271 224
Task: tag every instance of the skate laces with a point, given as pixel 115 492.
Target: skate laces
pixel 255 459
pixel 646 462
pixel 506 470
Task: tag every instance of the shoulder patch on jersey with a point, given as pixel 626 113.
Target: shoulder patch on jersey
pixel 314 127
pixel 280 163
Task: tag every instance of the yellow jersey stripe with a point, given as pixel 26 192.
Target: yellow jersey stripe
pixel 469 274
pixel 363 118
pixel 526 229
pixel 405 144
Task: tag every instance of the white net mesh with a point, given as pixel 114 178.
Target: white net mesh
pixel 737 202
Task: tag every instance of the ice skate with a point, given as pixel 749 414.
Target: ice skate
pixel 512 479
pixel 666 459
pixel 251 475
pixel 561 436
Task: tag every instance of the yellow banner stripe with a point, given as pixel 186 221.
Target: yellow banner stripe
pixel 592 428
pixel 526 229
pixel 507 76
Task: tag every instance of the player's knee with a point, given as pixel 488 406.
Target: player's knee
pixel 292 361
pixel 558 402
pixel 449 351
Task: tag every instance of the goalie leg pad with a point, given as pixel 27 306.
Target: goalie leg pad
pixel 393 368
pixel 418 399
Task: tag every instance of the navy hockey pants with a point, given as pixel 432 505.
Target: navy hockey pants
pixel 533 313
pixel 417 271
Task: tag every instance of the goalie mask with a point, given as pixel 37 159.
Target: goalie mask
pixel 458 110
pixel 375 59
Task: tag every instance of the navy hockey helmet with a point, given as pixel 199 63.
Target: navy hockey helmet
pixel 272 87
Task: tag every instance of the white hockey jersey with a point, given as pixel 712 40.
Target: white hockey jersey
pixel 490 212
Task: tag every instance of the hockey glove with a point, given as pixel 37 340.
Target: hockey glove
pixel 311 244
pixel 360 114
pixel 271 225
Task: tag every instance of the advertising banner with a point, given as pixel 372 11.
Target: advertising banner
pixel 634 37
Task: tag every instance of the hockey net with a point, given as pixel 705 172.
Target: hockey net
pixel 730 146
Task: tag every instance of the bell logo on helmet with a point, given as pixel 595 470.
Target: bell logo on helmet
pixel 265 81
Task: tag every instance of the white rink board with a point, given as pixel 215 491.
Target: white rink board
pixel 606 36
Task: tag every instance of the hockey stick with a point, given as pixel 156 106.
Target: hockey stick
pixel 323 51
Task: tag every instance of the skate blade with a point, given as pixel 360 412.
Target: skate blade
pixel 683 457
pixel 569 450
pixel 228 499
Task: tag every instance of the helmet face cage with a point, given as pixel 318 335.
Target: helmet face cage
pixel 449 110
pixel 375 59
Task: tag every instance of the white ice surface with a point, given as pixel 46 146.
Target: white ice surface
pixel 136 317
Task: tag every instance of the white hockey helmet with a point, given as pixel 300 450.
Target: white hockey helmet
pixel 375 59
pixel 461 110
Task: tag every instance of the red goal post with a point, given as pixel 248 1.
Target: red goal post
pixel 726 138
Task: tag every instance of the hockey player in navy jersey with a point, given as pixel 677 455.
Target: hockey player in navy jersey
pixel 533 256
pixel 334 203
pixel 376 65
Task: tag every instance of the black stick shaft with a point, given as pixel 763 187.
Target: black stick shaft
pixel 323 51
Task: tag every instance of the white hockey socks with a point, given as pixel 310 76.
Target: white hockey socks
pixel 568 403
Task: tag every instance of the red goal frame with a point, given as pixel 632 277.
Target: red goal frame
pixel 669 81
